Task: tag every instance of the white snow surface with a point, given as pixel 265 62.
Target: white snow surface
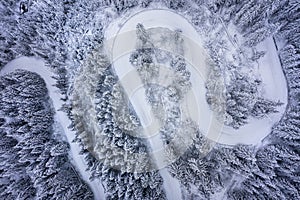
pixel 269 67
pixel 120 44
pixel 38 66
pixel 275 88
pixel 121 40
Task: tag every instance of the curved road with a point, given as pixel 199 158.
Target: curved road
pixel 38 66
pixel 269 68
pixel 275 87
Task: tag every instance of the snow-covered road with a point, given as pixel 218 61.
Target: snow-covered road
pixel 274 88
pixel 38 66
pixel 252 133
pixel 123 41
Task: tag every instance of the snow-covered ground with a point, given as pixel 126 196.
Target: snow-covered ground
pixel 121 40
pixel 38 66
pixel 124 42
pixel 275 88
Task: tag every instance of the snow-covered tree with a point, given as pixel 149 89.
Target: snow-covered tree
pixel 30 152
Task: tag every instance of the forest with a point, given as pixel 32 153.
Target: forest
pixel 69 35
pixel 34 162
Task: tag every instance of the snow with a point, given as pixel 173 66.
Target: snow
pixel 171 185
pixel 195 103
pixel 121 45
pixel 38 66
pixel 133 86
pixel 120 41
pixel 124 41
pixel 275 88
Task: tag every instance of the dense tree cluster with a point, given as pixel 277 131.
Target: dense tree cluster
pixel 125 185
pixel 278 174
pixel 242 172
pixel 33 163
pixel 242 101
pixel 270 170
pixel 198 176
pixel 37 32
pixel 232 86
pixel 114 161
pixel 110 115
pixel 275 174
pixel 259 19
pixel 274 170
pixel 54 30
